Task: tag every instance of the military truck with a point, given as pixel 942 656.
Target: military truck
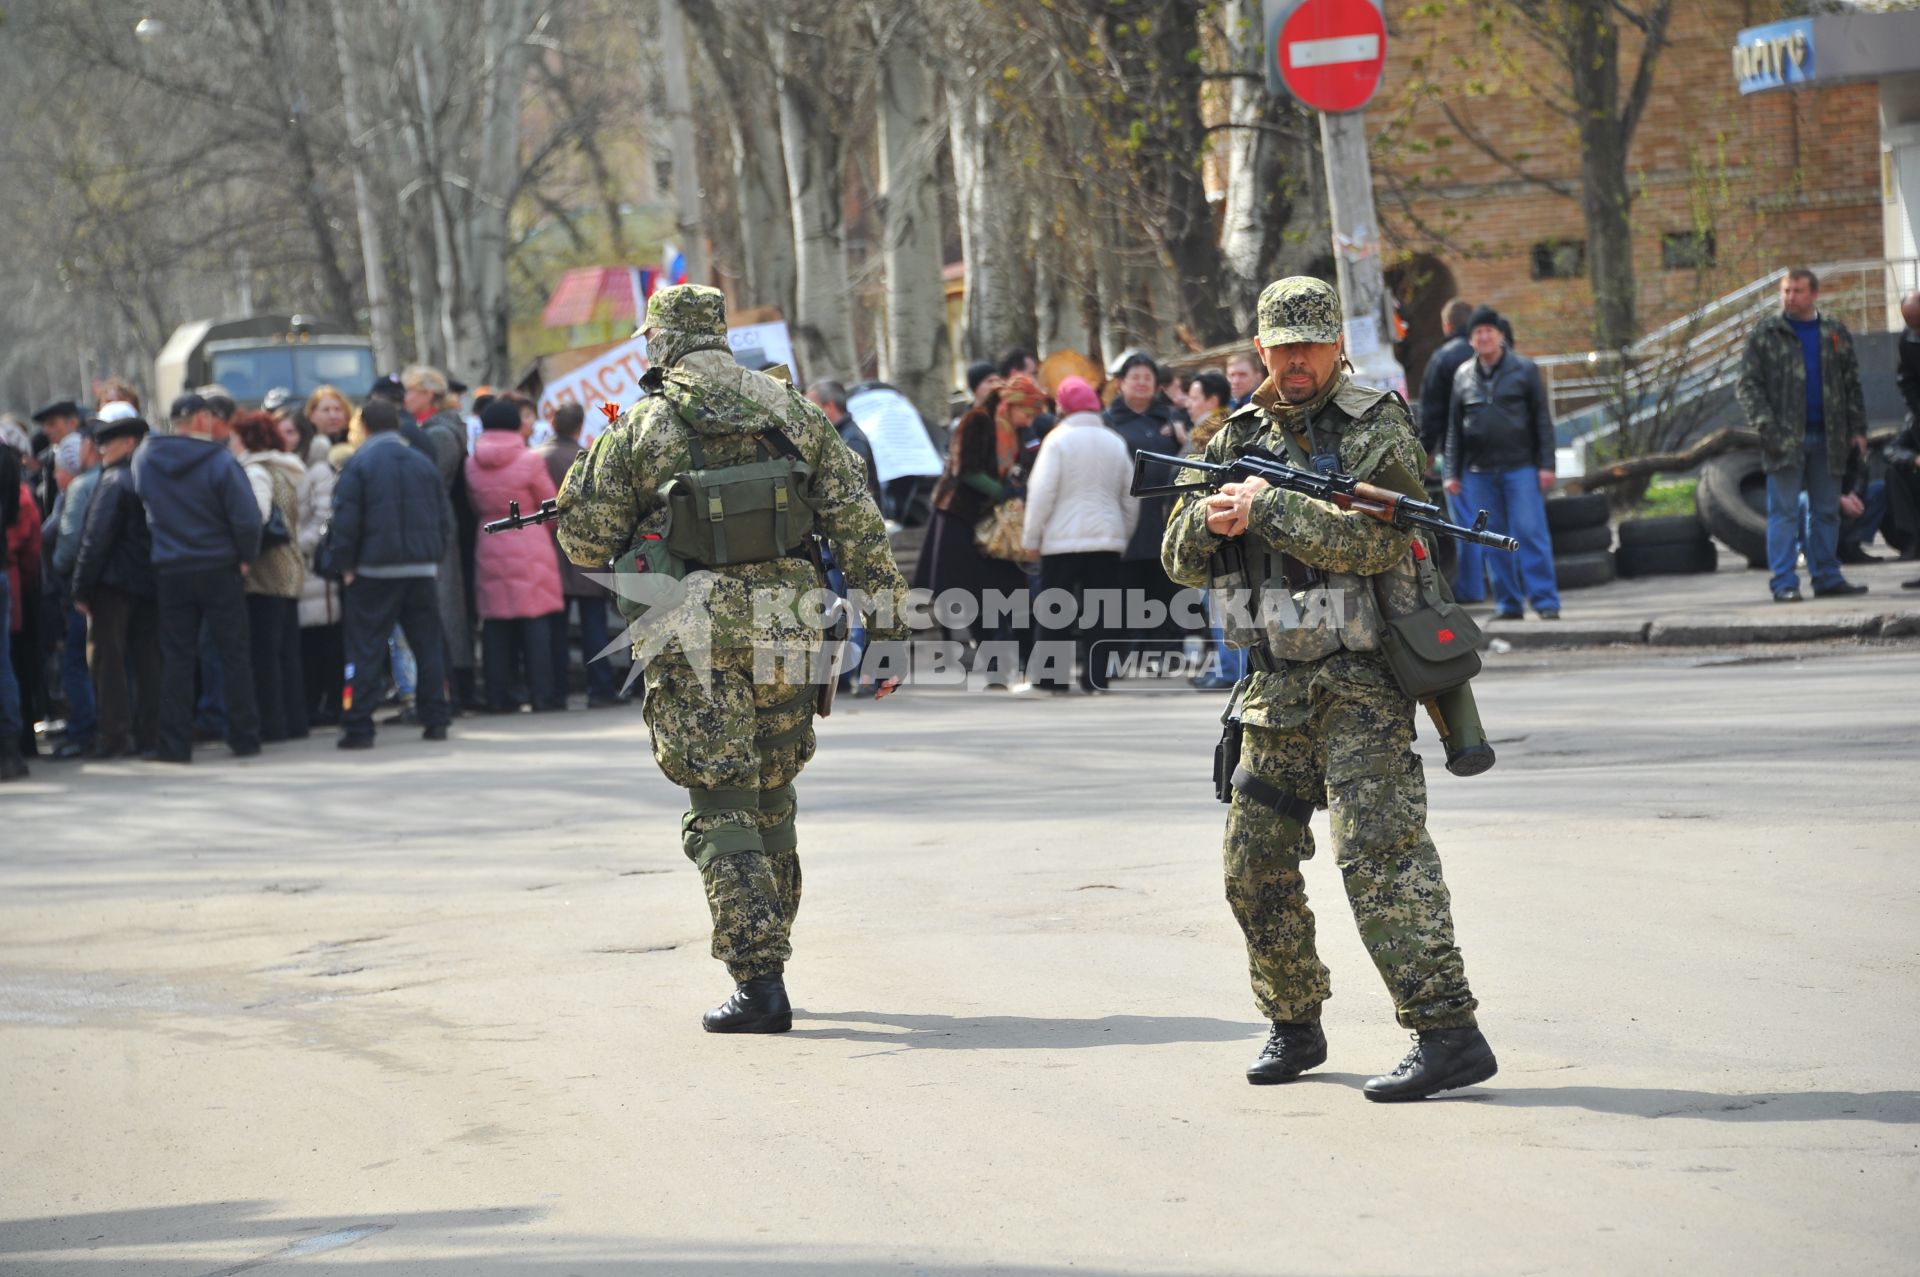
pixel 251 356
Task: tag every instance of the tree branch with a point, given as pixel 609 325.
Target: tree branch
pixel 1487 149
pixel 1656 30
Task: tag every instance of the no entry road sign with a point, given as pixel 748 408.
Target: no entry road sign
pixel 1330 52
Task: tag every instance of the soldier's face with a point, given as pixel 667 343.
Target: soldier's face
pixel 1798 297
pixel 1301 370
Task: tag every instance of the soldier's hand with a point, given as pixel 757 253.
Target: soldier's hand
pixel 1229 509
pixel 885 688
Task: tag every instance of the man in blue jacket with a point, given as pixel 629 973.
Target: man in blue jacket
pixel 206 530
pixel 1500 458
pixel 1436 405
pixel 391 526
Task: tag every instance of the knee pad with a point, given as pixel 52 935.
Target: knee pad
pixel 705 846
pixel 781 834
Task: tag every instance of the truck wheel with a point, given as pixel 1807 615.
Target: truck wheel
pixel 1582 540
pixel 1567 513
pixel 1672 529
pixel 1582 571
pixel 1668 560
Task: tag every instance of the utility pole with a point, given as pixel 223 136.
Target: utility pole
pixel 686 166
pixel 1356 250
pixel 1329 54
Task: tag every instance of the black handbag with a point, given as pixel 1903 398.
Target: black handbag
pixel 273 533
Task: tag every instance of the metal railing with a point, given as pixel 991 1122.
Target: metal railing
pixel 1699 352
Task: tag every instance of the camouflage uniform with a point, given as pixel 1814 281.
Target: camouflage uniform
pixel 737 744
pixel 1336 729
pixel 1773 391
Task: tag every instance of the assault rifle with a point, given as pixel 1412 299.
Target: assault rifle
pixel 548 512
pixel 1342 490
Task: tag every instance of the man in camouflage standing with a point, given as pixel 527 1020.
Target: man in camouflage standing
pixel 1800 390
pixel 1330 729
pixel 732 724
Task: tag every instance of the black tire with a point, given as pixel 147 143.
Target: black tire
pixel 1668 560
pixel 1582 571
pixel 1564 514
pixel 1732 500
pixel 1582 541
pixel 1671 529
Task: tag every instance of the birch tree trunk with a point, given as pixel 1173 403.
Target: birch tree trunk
pixel 1254 167
pixel 915 356
pixel 822 322
pixel 993 229
pixel 481 326
pixel 686 162
pixel 738 54
pixel 373 254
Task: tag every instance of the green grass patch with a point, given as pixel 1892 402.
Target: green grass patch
pixel 1666 496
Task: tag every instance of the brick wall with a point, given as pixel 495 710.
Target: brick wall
pixel 1782 177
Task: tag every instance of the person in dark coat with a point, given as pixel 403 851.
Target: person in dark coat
pixel 979 474
pixel 1469 566
pixel 388 538
pixel 114 587
pixel 1147 423
pixel 578 593
pixel 206 530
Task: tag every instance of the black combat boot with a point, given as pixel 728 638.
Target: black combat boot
pixel 1441 1060
pixel 1291 1050
pixel 12 766
pixel 758 1005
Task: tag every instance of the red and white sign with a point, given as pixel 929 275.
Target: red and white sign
pixel 1331 53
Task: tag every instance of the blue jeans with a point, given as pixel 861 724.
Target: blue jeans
pixel 1823 519
pixel 10 725
pixel 406 670
pixel 593 640
pixel 1233 660
pixel 1470 568
pixel 1875 500
pixel 1515 506
pixel 81 722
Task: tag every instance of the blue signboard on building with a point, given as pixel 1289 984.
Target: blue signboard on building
pixel 1775 56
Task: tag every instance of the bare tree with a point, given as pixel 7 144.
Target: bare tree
pixel 822 322
pixel 914 356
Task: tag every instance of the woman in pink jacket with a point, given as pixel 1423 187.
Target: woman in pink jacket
pixel 516 580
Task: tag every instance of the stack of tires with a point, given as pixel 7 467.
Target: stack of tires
pixel 1582 541
pixel 1732 501
pixel 1668 546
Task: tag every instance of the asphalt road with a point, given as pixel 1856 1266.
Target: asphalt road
pixel 433 1010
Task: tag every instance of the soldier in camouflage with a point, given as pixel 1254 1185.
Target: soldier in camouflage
pixel 1332 730
pixel 733 725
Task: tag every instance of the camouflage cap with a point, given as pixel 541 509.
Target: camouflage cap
pixel 1299 308
pixel 688 308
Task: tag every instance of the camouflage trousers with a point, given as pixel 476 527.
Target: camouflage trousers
pixel 737 750
pixel 1353 745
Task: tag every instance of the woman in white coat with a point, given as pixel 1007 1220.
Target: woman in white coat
pixel 1079 517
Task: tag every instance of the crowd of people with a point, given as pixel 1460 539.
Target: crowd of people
pixel 247 575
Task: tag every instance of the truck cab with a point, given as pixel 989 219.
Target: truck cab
pixel 251 356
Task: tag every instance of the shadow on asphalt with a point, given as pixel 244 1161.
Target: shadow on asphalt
pixel 1013 1032
pixel 1898 1107
pixel 87 1243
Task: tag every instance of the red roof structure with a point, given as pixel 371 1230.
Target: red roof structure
pixel 595 295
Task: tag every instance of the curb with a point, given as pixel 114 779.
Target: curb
pixel 1702 631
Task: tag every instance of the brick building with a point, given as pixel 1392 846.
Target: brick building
pixel 1729 187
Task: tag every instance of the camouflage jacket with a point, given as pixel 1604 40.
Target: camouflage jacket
pixel 1369 429
pixel 611 496
pixel 1773 391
